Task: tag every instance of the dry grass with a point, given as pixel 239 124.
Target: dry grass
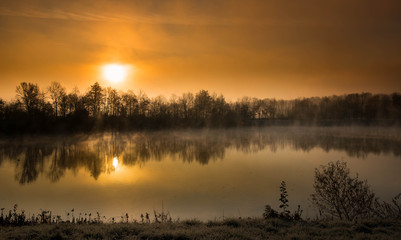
pixel 228 229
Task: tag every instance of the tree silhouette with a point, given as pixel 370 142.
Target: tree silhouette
pixel 202 106
pixel 57 93
pixel 129 102
pixel 95 98
pixel 28 94
pixel 106 109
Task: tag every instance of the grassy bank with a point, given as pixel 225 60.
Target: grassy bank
pixel 228 229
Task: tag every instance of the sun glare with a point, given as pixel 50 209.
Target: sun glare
pixel 115 162
pixel 115 73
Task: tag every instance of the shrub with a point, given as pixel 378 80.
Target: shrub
pixel 235 223
pixel 270 212
pixel 338 195
pixel 389 210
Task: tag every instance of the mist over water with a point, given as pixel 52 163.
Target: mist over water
pixel 203 174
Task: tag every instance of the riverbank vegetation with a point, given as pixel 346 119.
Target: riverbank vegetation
pixel 53 109
pixel 227 229
pixel 347 206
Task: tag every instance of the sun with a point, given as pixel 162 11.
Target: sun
pixel 115 73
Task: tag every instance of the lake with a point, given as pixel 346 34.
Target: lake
pixel 203 174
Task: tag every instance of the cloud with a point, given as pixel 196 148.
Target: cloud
pixel 112 18
pixel 193 12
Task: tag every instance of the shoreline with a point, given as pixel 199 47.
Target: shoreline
pixel 256 228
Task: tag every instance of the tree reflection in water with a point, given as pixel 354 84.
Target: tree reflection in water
pixel 95 153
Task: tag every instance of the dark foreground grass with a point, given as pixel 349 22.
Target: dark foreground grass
pixel 228 229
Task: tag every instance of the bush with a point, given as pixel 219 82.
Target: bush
pixel 389 210
pixel 338 195
pixel 270 212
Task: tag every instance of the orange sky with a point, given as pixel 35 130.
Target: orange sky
pixel 282 49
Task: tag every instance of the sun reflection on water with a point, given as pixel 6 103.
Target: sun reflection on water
pixel 115 162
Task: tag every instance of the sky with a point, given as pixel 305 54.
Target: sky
pixel 266 49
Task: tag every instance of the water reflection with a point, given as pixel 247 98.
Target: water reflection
pixel 102 154
pixel 115 162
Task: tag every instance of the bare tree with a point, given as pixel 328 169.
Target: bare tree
pixel 158 107
pixel 203 104
pixel 130 102
pixel 95 98
pixel 186 102
pixel 29 95
pixel 2 109
pixel 338 195
pixel 57 93
pixel 143 102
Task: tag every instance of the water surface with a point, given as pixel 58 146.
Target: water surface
pixel 204 174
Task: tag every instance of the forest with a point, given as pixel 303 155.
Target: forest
pixel 54 110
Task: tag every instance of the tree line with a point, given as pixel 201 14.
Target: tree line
pixel 104 108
